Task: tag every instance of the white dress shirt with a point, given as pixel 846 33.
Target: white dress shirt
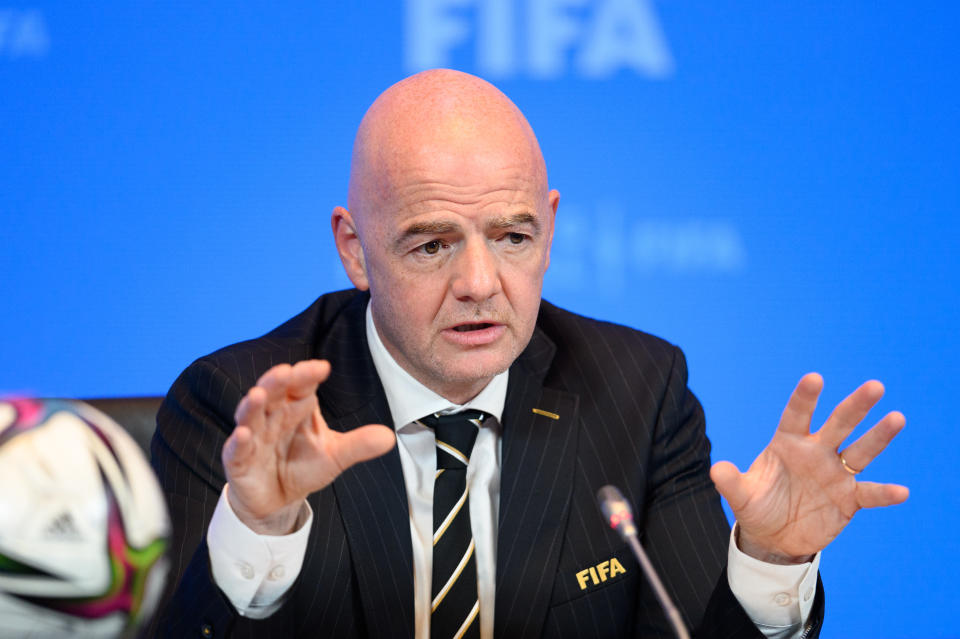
pixel 255 571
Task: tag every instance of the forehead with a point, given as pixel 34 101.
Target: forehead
pixel 460 183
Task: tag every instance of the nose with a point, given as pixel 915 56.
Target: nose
pixel 477 273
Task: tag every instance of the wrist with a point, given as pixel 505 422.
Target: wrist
pixel 761 551
pixel 280 522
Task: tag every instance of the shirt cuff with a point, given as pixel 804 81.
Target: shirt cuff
pixel 255 571
pixel 777 598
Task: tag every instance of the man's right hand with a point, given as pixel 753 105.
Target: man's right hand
pixel 282 450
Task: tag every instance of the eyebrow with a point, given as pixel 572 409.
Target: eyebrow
pixel 518 219
pixel 442 227
pixel 428 228
pixel 424 228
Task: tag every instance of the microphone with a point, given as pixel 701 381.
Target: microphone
pixel 618 514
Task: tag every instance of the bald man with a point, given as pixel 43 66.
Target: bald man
pixel 302 467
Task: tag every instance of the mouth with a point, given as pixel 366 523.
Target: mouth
pixel 466 328
pixel 475 334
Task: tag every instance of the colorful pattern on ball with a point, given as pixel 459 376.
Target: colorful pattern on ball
pixel 130 567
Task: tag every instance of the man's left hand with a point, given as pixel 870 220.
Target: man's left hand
pixel 797 495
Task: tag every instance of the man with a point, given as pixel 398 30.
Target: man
pixel 447 237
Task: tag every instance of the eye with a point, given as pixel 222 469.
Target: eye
pixel 517 238
pixel 432 247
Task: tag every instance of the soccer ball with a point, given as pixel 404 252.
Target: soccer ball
pixel 83 524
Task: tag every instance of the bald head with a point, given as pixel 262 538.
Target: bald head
pixel 449 225
pixel 438 118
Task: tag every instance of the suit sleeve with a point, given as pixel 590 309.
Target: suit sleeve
pixel 193 422
pixel 685 530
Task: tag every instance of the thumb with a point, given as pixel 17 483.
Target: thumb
pixel 361 444
pixel 729 483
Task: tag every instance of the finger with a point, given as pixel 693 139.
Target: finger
pixel 874 495
pixel 730 484
pixel 275 382
pixel 860 453
pixel 251 411
pixel 799 410
pixel 361 444
pixel 849 413
pixel 237 451
pixel 305 376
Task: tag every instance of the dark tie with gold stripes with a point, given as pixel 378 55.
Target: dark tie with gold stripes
pixel 455 609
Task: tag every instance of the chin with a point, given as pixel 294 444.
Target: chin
pixel 476 368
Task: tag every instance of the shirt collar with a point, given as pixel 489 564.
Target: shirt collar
pixel 410 400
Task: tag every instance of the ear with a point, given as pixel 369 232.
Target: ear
pixel 553 199
pixel 348 246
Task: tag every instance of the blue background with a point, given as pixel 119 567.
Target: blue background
pixel 772 186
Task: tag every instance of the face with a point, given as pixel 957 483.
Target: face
pixel 454 260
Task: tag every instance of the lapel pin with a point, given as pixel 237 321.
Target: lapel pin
pixel 546 413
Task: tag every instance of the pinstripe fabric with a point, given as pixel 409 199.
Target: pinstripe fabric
pixel 626 417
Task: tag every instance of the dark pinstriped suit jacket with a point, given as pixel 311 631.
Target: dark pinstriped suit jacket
pixel 626 418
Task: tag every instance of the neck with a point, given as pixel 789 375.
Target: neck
pixel 457 394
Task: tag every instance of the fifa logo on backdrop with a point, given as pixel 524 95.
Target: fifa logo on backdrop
pixel 603 248
pixel 23 34
pixel 537 38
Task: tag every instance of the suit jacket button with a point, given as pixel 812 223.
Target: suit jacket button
pixel 206 631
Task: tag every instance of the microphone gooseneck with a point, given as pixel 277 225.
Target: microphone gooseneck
pixel 618 514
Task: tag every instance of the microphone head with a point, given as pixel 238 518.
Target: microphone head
pixel 616 510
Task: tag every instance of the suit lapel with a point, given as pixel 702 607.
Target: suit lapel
pixel 373 504
pixel 536 482
pixel 371 496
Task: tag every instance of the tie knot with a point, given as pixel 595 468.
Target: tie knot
pixel 455 435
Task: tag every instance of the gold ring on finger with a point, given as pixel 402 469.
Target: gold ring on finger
pixel 846 466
